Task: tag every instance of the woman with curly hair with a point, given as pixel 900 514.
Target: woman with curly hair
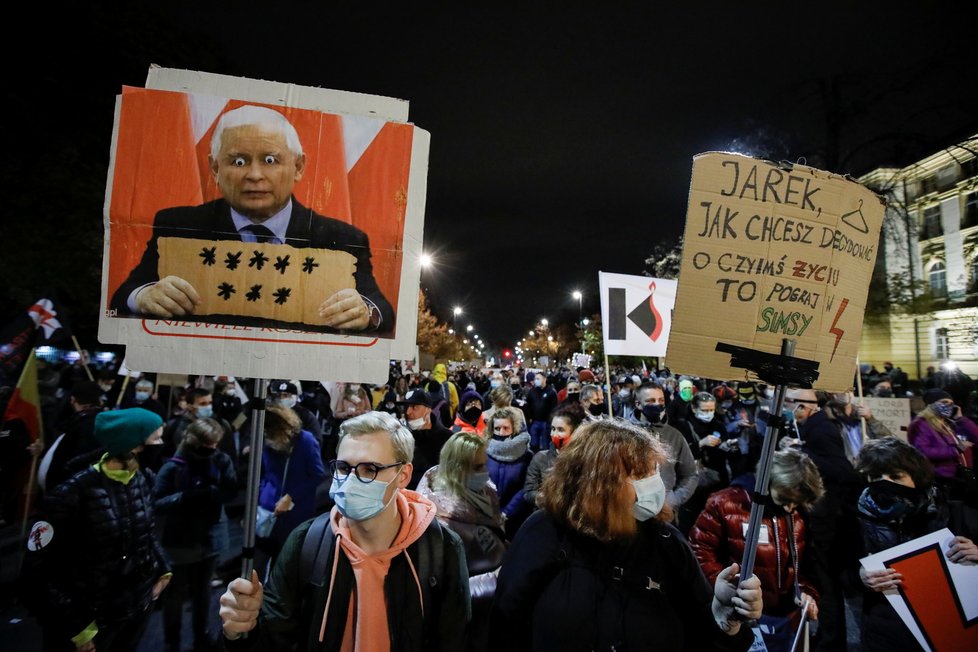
pixel 599 567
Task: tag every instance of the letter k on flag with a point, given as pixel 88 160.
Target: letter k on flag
pixel 636 313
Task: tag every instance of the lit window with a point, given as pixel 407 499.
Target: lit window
pixel 938 280
pixel 941 344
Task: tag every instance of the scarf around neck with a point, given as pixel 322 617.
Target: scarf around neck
pixel 509 449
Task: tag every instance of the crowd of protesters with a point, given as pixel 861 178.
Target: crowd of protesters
pixel 142 480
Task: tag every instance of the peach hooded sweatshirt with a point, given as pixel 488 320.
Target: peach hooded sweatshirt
pixel 366 623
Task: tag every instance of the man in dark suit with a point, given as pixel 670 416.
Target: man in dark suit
pixel 256 159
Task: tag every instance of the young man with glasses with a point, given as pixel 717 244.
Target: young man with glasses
pixel 394 578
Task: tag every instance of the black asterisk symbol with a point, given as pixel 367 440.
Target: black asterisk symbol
pixel 281 262
pixel 254 294
pixel 258 259
pixel 309 264
pixel 225 290
pixel 233 260
pixel 208 255
pixel 282 295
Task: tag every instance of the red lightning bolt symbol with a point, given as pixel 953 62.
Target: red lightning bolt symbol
pixel 838 332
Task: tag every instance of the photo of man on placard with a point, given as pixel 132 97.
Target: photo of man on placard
pixel 252 255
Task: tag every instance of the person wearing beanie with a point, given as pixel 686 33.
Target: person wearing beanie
pixel 945 436
pixel 94 565
pixel 680 411
pixel 469 418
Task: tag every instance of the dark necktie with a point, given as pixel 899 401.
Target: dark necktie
pixel 262 233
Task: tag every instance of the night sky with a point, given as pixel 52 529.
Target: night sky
pixel 561 139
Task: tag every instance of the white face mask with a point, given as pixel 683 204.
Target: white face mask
pixel 538 382
pixel 704 415
pixel 288 402
pixel 650 496
pixel 416 424
pixel 142 396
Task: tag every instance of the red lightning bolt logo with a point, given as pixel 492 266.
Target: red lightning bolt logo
pixel 838 332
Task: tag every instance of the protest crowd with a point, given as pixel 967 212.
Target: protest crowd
pixel 503 489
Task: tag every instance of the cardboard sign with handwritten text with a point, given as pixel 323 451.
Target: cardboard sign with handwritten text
pixel 268 281
pixel 773 252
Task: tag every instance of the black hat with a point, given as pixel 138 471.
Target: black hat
pixel 934 395
pixel 284 387
pixel 416 397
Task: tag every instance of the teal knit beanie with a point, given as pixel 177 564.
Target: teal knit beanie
pixel 120 431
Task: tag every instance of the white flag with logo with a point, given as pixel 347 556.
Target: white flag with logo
pixel 636 313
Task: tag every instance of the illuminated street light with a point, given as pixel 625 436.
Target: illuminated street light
pixel 456 311
pixel 426 260
pixel 544 322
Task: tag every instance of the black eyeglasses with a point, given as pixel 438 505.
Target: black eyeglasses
pixel 365 471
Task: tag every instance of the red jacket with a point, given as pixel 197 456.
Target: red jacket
pixel 717 539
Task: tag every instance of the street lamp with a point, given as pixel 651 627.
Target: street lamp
pixel 544 322
pixel 426 260
pixel 456 311
pixel 469 328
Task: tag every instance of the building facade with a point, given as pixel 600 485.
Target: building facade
pixel 925 313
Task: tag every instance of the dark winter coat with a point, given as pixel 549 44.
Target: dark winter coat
pixel 508 474
pixel 93 554
pixel 891 514
pixel 557 590
pixel 190 493
pixel 306 472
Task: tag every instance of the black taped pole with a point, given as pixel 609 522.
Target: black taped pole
pixel 763 474
pixel 254 476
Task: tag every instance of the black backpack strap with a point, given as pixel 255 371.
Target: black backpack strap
pixel 317 549
pixel 431 560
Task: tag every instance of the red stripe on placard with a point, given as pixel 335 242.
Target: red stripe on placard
pixel 933 601
pixel 255 339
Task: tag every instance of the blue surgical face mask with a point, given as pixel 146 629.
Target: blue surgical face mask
pixel 477 481
pixel 650 496
pixel 943 409
pixel 495 383
pixel 359 501
pixel 204 411
pixel 705 416
pixel 288 401
pixel 142 396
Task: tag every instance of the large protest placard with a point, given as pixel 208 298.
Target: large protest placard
pixel 338 180
pixel 938 599
pixel 636 313
pixel 771 252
